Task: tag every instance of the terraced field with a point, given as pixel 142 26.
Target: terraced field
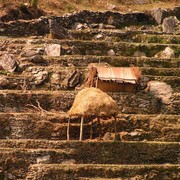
pixel 36 96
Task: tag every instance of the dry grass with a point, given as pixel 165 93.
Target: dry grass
pixel 92 101
pixel 68 6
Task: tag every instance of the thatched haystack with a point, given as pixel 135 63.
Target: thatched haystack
pixel 93 102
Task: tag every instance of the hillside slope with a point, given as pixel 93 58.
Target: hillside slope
pixel 68 6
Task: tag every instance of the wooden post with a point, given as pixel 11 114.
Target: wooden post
pixel 91 132
pixel 115 129
pixel 81 129
pixel 99 124
pixel 68 127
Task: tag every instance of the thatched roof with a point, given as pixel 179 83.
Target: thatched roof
pixel 93 102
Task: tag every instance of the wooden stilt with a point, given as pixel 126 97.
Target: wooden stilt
pixel 99 124
pixel 81 129
pixel 115 129
pixel 68 127
pixel 91 132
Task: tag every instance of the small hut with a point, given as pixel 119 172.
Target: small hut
pixel 114 79
pixel 92 102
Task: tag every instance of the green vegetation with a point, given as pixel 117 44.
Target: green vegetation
pixel 34 3
pixel 3 72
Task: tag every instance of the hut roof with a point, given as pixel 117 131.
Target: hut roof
pixel 119 74
pixel 93 102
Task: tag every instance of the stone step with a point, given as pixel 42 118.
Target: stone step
pixel 139 103
pixel 160 127
pixel 17 160
pixel 174 81
pixel 28 83
pixel 96 152
pixel 102 172
pixel 99 48
pixel 160 71
pixel 126 36
pixel 83 61
pixel 59 78
pixel 145 70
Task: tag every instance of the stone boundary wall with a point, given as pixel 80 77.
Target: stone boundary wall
pixel 41 26
pixel 102 17
pixel 25 28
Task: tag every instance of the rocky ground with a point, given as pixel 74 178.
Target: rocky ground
pixel 43 63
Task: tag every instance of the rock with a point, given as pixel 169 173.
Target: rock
pixel 159 14
pixel 107 26
pixel 169 24
pixel 108 39
pixel 143 82
pixel 24 65
pixel 102 64
pixel 53 50
pixel 75 79
pixel 134 134
pixel 72 79
pixel 55 78
pixel 80 26
pixel 107 136
pixel 160 90
pixel 153 174
pixel 33 59
pixel 139 54
pixel 98 37
pixel 40 77
pixel 111 7
pixel 167 53
pixel 44 159
pixel 101 26
pixel 143 27
pixel 75 51
pixel 2 173
pixel 57 31
pixel 94 25
pixel 69 161
pixel 111 52
pixel 3 45
pixel 36 59
pixel 29 51
pixel 140 1
pixel 110 20
pixel 8 62
pixel 124 136
pixel 4 82
pixel 70 50
pixel 117 137
pixel 137 177
pixel 10 176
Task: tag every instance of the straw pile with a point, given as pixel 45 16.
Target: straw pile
pixel 93 102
